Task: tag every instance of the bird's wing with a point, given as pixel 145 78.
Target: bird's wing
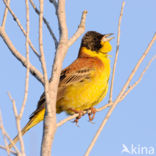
pixel 80 70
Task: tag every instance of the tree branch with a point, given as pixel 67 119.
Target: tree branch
pixel 62 21
pixel 117 52
pixel 137 66
pixel 6 134
pixel 27 60
pixel 46 23
pixel 131 87
pixel 49 130
pixel 80 29
pixel 3 133
pixel 18 125
pixel 4 148
pixel 21 27
pixel 21 58
pixel 5 15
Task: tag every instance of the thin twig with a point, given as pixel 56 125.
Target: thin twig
pixel 3 133
pixel 10 140
pixel 62 21
pixel 17 124
pixel 80 30
pixel 140 78
pixel 137 66
pixel 117 52
pixel 46 23
pixel 36 73
pixel 4 148
pixel 21 27
pixel 43 62
pixel 5 15
pixel 27 60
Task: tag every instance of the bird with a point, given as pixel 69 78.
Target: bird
pixel 83 84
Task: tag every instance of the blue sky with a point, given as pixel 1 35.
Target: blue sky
pixel 133 120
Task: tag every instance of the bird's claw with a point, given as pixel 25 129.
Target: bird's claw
pixel 91 114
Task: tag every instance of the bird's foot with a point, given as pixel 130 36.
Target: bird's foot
pixel 79 116
pixel 91 114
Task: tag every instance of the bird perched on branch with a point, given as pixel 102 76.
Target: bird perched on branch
pixel 83 84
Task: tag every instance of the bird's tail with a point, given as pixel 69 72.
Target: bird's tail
pixel 35 119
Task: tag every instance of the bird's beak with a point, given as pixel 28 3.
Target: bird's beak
pixel 107 38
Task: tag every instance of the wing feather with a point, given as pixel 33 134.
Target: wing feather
pixel 78 71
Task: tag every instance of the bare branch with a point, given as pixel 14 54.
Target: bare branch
pixel 13 152
pixel 21 27
pixel 43 62
pixel 17 124
pixel 21 58
pixel 84 112
pixel 14 105
pixel 3 133
pixel 6 134
pixel 130 88
pixel 62 20
pixel 137 66
pixel 47 140
pixel 27 60
pixel 80 29
pixel 5 15
pixel 46 23
pixel 117 52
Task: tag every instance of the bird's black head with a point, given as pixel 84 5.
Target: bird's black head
pixel 92 40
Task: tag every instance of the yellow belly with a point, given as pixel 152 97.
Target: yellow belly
pixel 84 95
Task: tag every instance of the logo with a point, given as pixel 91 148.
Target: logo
pixel 138 150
